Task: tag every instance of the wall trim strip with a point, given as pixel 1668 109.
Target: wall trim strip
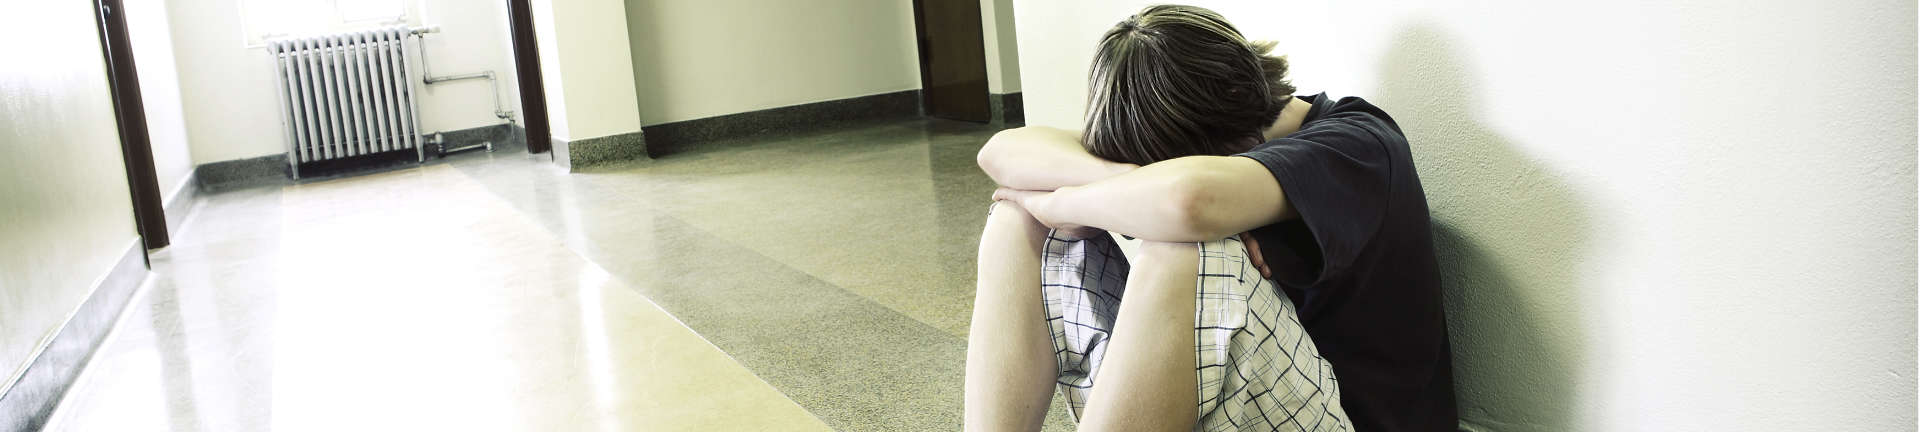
pixel 1006 109
pixel 612 149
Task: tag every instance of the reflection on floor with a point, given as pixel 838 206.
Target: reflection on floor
pixel 806 282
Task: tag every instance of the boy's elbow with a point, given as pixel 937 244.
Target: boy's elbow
pixel 1192 211
pixel 991 154
pixel 985 159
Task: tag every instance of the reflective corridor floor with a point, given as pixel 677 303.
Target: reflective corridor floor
pixel 805 282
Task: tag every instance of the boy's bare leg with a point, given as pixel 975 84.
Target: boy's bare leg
pixel 1147 379
pixel 1010 365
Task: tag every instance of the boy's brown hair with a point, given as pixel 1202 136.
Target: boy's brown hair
pixel 1176 81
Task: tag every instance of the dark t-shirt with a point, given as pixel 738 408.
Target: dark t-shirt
pixel 1359 264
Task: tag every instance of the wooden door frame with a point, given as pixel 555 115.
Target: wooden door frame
pixel 526 60
pixel 136 147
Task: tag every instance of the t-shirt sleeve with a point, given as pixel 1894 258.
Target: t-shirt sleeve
pixel 1336 174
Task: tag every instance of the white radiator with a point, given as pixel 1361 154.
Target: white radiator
pixel 346 95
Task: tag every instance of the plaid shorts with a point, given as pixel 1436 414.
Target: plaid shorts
pixel 1255 365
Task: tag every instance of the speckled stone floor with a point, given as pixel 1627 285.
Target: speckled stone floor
pixel 820 280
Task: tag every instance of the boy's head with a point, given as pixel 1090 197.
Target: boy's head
pixel 1176 81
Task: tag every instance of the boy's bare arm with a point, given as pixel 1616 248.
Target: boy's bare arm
pixel 1042 159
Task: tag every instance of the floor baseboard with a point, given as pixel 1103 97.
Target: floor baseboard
pixel 676 137
pixel 179 204
pixel 30 399
pixel 272 170
pixel 575 155
pixel 1006 109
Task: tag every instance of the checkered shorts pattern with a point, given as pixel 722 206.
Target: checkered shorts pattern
pixel 1256 367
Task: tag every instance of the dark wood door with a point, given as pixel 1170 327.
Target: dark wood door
pixel 526 65
pixel 149 216
pixel 953 59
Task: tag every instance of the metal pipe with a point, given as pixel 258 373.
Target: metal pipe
pixel 383 136
pixel 439 141
pixel 372 108
pixel 439 79
pixel 499 110
pixel 412 113
pixel 349 109
pixel 389 88
pixel 356 98
pixel 493 82
pixel 483 144
pixel 331 97
pixel 426 76
pixel 309 150
pixel 337 68
pixel 280 59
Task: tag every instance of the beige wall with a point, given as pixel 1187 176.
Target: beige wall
pixel 1683 215
pixel 1003 55
pixel 473 37
pixel 65 216
pixel 231 110
pixel 586 68
pixel 698 59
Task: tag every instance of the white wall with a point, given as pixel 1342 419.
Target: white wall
pixel 231 110
pixel 473 37
pixel 1684 215
pixel 586 68
pixel 160 93
pixel 589 89
pixel 65 216
pixel 1003 55
pixel 698 59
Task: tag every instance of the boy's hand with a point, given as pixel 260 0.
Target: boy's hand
pixel 1038 204
pixel 1253 253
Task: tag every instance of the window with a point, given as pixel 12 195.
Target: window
pixel 380 11
pixel 269 19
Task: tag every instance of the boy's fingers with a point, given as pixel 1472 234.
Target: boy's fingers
pixel 1008 194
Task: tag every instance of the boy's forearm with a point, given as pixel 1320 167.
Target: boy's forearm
pixel 1064 173
pixel 1037 158
pixel 1139 204
pixel 1190 199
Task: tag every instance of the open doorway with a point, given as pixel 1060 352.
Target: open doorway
pixel 242 89
pixel 278 86
pixel 953 68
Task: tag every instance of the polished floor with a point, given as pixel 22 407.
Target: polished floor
pixel 819 281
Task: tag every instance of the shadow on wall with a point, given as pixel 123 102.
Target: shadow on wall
pixel 1509 234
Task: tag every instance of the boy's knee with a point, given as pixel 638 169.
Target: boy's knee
pixel 1166 249
pixel 1164 271
pixel 1011 216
